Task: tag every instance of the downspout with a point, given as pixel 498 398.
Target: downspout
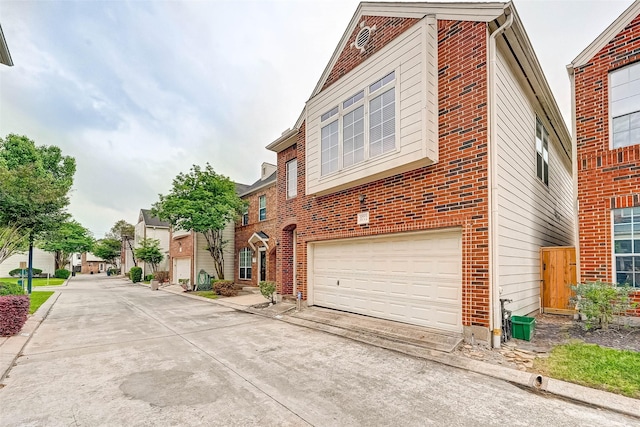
pixel 494 288
pixel 574 169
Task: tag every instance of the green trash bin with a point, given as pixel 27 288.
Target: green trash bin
pixel 522 327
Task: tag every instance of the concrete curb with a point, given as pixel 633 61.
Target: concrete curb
pixel 13 346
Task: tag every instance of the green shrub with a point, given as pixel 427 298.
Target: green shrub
pixel 62 274
pixel 226 288
pixel 16 272
pixel 136 274
pixel 267 289
pixel 148 277
pixel 161 276
pixel 10 289
pixel 600 301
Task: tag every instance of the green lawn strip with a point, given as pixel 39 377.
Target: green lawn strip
pixel 37 299
pixel 608 369
pixel 35 281
pixel 206 294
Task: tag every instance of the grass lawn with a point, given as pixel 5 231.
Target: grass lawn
pixel 617 371
pixel 36 281
pixel 206 294
pixel 37 299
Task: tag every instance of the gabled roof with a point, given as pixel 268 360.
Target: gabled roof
pixel 152 221
pixel 260 183
pixel 606 36
pixel 5 56
pixel 241 188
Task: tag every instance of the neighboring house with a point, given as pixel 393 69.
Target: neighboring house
pixel 43 260
pixel 91 264
pixel 126 255
pixel 605 83
pixel 76 261
pixel 5 56
pixel 255 232
pixel 150 227
pixel 432 164
pixel 189 253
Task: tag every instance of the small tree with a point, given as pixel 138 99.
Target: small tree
pixel 13 240
pixel 204 202
pixel 108 250
pixel 600 301
pixel 124 232
pixel 67 238
pixel 149 252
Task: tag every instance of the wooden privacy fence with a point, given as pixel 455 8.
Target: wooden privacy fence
pixel 557 274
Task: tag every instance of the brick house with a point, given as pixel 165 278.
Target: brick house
pixel 91 264
pixel 255 232
pixel 605 84
pixel 427 169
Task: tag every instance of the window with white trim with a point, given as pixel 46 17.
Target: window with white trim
pixel 244 257
pixel 626 245
pixel 292 178
pixel 624 107
pixel 364 126
pixel 245 216
pixel 262 208
pixel 542 152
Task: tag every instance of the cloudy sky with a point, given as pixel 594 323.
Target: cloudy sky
pixel 138 91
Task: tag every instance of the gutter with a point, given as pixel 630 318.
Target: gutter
pixel 494 286
pixel 574 168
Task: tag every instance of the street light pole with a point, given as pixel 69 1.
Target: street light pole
pixel 30 272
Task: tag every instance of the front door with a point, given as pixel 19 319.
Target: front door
pixel 263 265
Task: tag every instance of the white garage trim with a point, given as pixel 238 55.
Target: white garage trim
pixel 413 278
pixel 181 269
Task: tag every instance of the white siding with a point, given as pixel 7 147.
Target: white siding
pixel 203 258
pixel 41 259
pixel 530 215
pixel 161 234
pixel 413 57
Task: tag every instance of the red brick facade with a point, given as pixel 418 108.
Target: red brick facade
pixel 607 178
pixel 244 232
pixel 180 247
pixel 452 192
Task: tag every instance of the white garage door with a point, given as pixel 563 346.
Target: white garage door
pixel 181 269
pixel 410 278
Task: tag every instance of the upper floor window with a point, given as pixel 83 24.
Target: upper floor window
pixel 624 106
pixel 363 126
pixel 244 262
pixel 626 236
pixel 542 152
pixel 245 216
pixel 262 209
pixel 292 178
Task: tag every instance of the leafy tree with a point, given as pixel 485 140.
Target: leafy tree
pixel 124 232
pixel 149 252
pixel 34 187
pixel 108 250
pixel 69 237
pixel 205 202
pixel 12 240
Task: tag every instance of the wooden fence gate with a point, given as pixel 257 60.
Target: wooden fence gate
pixel 557 274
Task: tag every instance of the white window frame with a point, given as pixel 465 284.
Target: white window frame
pixel 350 104
pixel 245 216
pixel 292 178
pixel 540 151
pixel 262 208
pixel 634 234
pixel 245 256
pixel 626 114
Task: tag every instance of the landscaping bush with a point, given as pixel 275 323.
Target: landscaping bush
pixel 136 274
pixel 226 288
pixel 161 276
pixel 62 274
pixel 16 272
pixel 13 314
pixel 267 289
pixel 10 289
pixel 600 301
pixel 148 277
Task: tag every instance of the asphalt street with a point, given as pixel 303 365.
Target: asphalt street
pixel 113 353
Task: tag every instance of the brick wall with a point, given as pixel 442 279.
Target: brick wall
pixel 452 192
pixel 243 233
pixel 607 179
pixel 180 248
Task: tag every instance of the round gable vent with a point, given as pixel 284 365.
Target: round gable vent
pixel 363 37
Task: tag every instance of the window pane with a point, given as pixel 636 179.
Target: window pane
pixel 623 278
pixel 292 178
pixel 329 148
pixel 546 176
pixel 622 246
pixel 620 124
pixel 382 138
pixel 538 145
pixel 620 139
pixel 636 248
pixel 539 166
pixel 619 77
pixel 624 263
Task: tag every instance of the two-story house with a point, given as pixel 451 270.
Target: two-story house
pixel 150 227
pixel 431 165
pixel 255 234
pixel 605 85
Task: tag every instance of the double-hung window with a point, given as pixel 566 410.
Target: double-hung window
pixel 626 248
pixel 245 216
pixel 360 127
pixel 262 209
pixel 245 263
pixel 542 152
pixel 624 107
pixel 292 178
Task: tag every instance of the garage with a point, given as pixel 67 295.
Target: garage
pixel 181 269
pixel 413 278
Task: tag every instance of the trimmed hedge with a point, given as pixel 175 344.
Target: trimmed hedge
pixel 135 274
pixel 62 274
pixel 10 289
pixel 226 288
pixel 16 272
pixel 14 310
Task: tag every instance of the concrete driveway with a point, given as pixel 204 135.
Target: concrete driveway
pixel 113 353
